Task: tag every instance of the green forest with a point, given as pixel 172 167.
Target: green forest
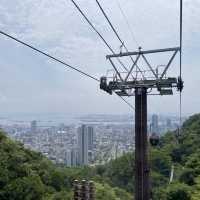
pixel 28 175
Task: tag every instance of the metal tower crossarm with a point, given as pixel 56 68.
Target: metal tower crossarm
pixel 161 82
pixel 143 52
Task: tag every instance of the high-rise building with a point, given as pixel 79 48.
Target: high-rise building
pixel 34 126
pixel 169 124
pixel 90 138
pixel 83 145
pixel 154 124
pixel 74 157
pixel 68 158
pixel 90 143
pixel 71 158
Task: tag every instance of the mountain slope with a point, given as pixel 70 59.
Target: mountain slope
pixel 27 175
pixel 181 151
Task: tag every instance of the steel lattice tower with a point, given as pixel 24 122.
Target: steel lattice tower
pixel 137 83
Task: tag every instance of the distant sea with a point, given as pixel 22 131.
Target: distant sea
pixel 55 119
pixel 42 119
pixel 52 119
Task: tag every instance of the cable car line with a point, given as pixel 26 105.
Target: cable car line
pixel 128 24
pixel 57 60
pixel 49 56
pixel 116 33
pixel 98 33
pixel 125 101
pixel 181 45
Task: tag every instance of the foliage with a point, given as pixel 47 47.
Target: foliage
pixel 27 175
pixel 196 189
pixel 183 151
pixel 105 192
pixel 178 191
pixel 188 177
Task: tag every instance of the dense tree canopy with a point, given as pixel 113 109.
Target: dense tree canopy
pixel 27 175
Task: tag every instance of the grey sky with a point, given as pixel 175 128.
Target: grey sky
pixel 32 83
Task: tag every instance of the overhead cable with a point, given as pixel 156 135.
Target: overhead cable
pixel 55 59
pixel 128 24
pixel 49 56
pixel 116 33
pixel 181 41
pixel 125 101
pixel 98 33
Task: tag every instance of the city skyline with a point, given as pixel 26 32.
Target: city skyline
pixel 103 141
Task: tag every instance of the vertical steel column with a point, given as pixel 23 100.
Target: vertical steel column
pixel 142 191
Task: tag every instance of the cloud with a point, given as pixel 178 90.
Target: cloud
pixel 57 27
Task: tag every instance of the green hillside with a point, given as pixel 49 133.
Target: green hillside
pixel 182 151
pixel 27 175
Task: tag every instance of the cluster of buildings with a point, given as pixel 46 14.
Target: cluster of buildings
pixel 159 125
pixel 85 144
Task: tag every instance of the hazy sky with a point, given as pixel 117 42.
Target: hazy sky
pixel 30 82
